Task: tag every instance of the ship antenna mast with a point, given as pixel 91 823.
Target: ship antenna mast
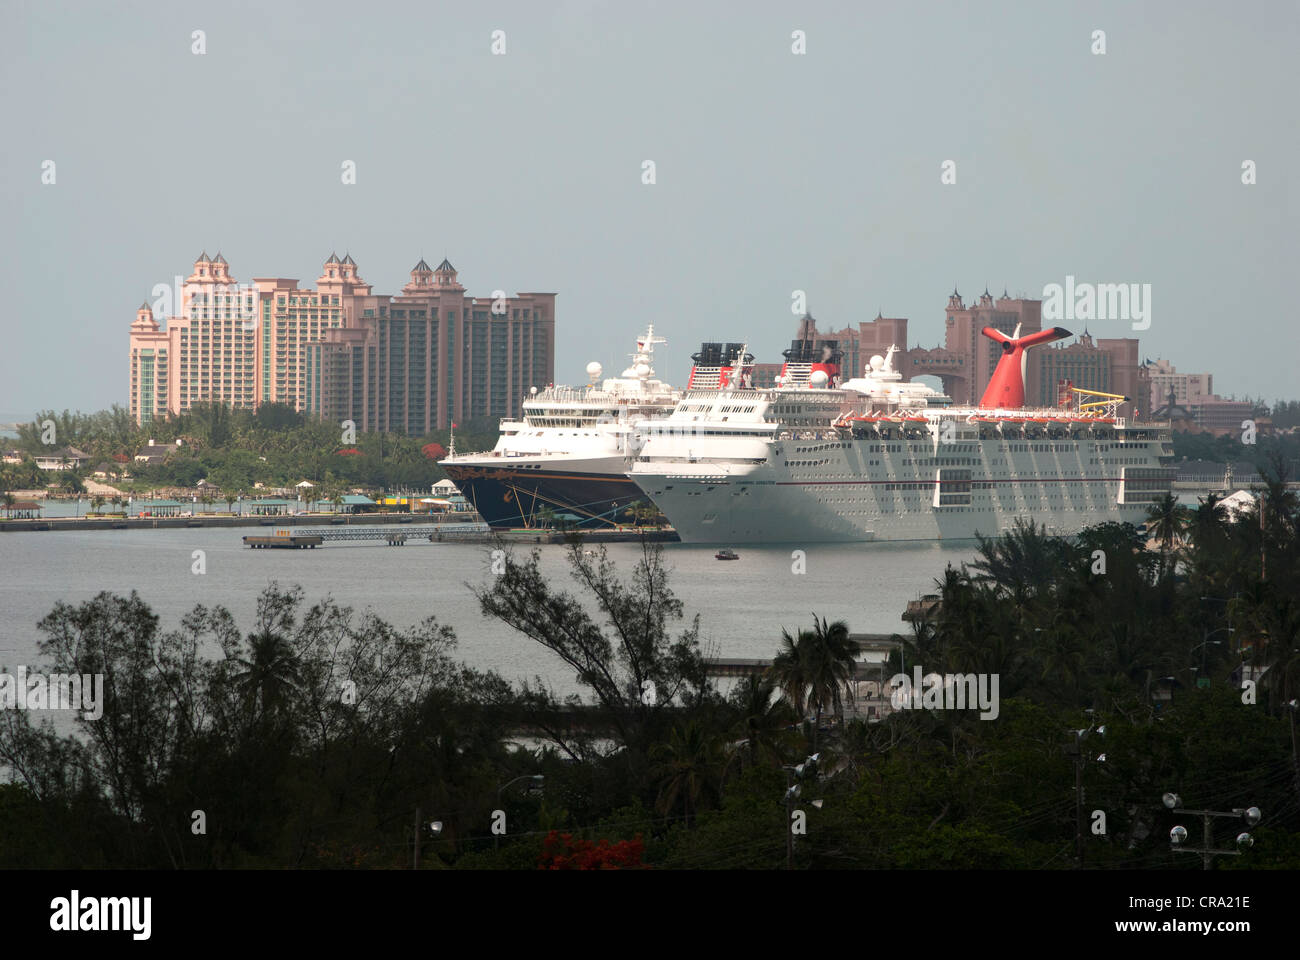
pixel 738 373
pixel 645 346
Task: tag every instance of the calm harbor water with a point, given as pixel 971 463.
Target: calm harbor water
pixel 742 604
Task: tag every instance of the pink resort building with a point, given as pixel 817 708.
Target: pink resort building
pixel 410 363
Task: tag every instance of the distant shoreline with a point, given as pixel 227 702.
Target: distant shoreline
pixel 658 535
pixel 217 520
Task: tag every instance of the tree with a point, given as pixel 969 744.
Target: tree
pixel 763 718
pixel 687 766
pixel 631 665
pixel 814 668
pixel 563 852
pixel 70 482
pixel 268 672
pixel 1168 519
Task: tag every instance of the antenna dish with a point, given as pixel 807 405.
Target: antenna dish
pixel 642 370
pixel 877 362
pixel 594 370
pixel 818 378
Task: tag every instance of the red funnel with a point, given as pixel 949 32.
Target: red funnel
pixel 1006 389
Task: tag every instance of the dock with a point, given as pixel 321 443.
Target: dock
pixel 284 541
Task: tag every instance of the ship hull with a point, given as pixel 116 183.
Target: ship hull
pixel 510 496
pixel 846 492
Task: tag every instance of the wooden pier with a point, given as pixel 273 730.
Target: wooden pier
pixel 284 541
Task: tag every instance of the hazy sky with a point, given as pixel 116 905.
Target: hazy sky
pixel 775 171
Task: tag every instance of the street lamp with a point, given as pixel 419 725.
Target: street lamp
pixel 537 778
pixel 803 771
pixel 1178 835
pixel 1207 642
pixel 1079 737
pixel 1227 609
pixel 434 827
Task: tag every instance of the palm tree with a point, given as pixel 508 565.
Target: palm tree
pixel 814 668
pixel 70 482
pixel 1021 563
pixel 1167 519
pixel 230 499
pixel 686 765
pixel 1207 519
pixel 9 502
pixel 97 501
pixel 762 718
pixel 270 670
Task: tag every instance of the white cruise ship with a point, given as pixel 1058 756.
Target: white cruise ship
pixel 568 454
pixel 818 459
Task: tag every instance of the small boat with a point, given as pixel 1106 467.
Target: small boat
pixel 726 554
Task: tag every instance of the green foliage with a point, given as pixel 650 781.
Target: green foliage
pixel 234 449
pixel 1103 629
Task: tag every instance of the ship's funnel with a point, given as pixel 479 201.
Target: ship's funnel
pixel 1006 389
pixel 715 364
pixel 806 357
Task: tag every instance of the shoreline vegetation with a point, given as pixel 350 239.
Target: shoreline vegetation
pixel 315 737
pixel 235 453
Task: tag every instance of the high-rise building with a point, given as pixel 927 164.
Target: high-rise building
pixel 412 363
pixel 206 352
pixel 435 355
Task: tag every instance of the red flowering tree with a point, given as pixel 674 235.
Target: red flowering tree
pixel 434 451
pixel 348 452
pixel 561 852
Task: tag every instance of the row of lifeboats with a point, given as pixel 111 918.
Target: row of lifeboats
pixel 847 420
pixel 889 423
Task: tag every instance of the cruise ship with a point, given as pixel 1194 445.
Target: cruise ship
pixel 568 455
pixel 821 459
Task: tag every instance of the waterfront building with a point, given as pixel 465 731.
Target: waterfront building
pixel 1213 414
pixel 1188 388
pixel 1107 365
pixel 411 363
pixel 66 458
pixel 433 356
pixel 238 344
pixel 1221 416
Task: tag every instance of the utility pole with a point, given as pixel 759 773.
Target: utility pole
pixel 417 839
pixel 1262 540
pixel 789 832
pixel 1178 835
pixel 1078 806
pixel 1076 750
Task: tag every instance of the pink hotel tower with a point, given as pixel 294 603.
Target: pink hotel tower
pixel 412 363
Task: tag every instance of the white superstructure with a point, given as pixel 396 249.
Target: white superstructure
pixel 570 449
pixel 877 458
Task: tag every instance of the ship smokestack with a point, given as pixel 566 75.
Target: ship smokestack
pixel 1006 389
